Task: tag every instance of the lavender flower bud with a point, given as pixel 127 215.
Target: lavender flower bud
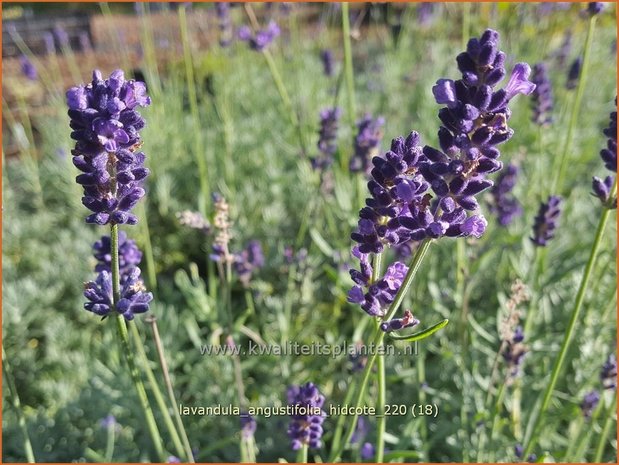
pixel 225 25
pixel 367 451
pixel 594 8
pixel 367 142
pixel 105 127
pixel 602 188
pixel 515 351
pixel 608 373
pixel 407 321
pixel 305 426
pixel 27 68
pixel 573 74
pixel 542 95
pixel 249 260
pixel 261 39
pixel 505 205
pixel 129 255
pixel 326 56
pixel 546 221
pixel 327 142
pixel 589 402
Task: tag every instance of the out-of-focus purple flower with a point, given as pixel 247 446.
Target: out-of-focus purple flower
pixel 518 450
pixel 50 46
pixel 551 7
pixel 133 296
pixel 129 255
pixel 61 35
pixel 563 52
pixel 505 205
pixel 248 261
pixel 367 142
pixel 589 402
pixel 602 187
pixel 173 459
pixel 105 125
pixel 594 8
pixel 425 13
pixel 515 351
pixel 407 321
pixel 225 24
pixel 109 422
pixel 27 68
pixel 305 426
pixel 261 39
pixel 546 221
pixel 248 425
pixel 85 43
pixel 326 56
pixel 573 74
pixel 608 373
pixel 194 220
pixel 221 222
pixel 367 451
pixel 361 431
pixel 327 141
pixel 542 95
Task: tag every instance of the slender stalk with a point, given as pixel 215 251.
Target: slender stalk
pixel 193 105
pixel 350 84
pixel 148 247
pixel 126 349
pixel 154 387
pixel 610 419
pixel 378 339
pixel 337 436
pixel 170 389
pixel 109 445
pixel 558 180
pixel 569 333
pixel 381 421
pixel 16 404
pixel 302 458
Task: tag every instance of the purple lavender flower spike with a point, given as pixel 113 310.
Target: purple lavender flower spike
pixel 608 373
pixel 248 425
pixel 129 255
pixel 61 35
pixel 225 24
pixel 367 142
pixel 305 426
pixel 546 221
pixel 261 39
pixel 589 402
pixel 542 96
pixel 327 142
pixel 27 68
pixel 50 46
pixel 105 125
pixel 249 260
pixel 328 65
pixel 602 188
pixel 505 205
pixel 515 351
pixel 595 8
pixel 367 451
pixel 573 74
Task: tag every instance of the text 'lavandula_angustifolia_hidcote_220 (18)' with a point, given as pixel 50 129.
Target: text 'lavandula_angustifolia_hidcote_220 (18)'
pixel 422 193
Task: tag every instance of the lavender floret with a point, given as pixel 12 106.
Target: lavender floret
pixel 129 255
pixel 327 141
pixel 589 402
pixel 515 351
pixel 542 95
pixel 328 66
pixel 27 68
pixel 546 221
pixel 306 429
pixel 248 261
pixel 367 142
pixel 608 373
pixel 261 39
pixel 407 321
pixel 105 125
pixel 505 205
pixel 573 74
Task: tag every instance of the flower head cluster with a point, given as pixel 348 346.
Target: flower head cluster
pixel 225 25
pixel 327 141
pixel 546 221
pixel 589 402
pixel 105 125
pixel 608 373
pixel 367 142
pixel 573 74
pixel 133 296
pixel 249 260
pixel 328 66
pixel 505 205
pixel 261 39
pixel 221 252
pixel 542 95
pixel 27 68
pixel 595 8
pixel 306 429
pixel 602 187
pixel 515 351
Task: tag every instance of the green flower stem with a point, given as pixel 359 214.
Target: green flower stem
pixel 109 445
pixel 302 455
pixel 193 106
pixel 148 246
pixel 381 422
pixel 16 404
pixel 569 333
pixel 610 419
pixel 557 182
pixel 170 389
pixel 126 349
pixel 339 426
pixel 377 341
pixel 283 93
pixel 154 387
pixel 350 83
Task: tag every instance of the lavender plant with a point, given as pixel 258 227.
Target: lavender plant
pixel 305 428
